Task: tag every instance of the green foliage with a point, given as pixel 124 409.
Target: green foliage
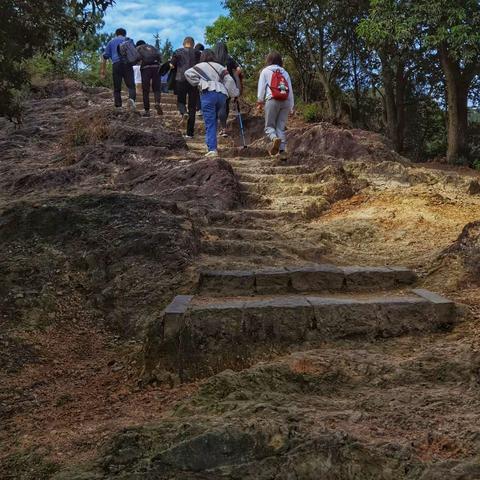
pixel 311 112
pixel 244 47
pixel 34 28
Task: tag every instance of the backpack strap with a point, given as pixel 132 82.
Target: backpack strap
pixel 202 73
pixel 221 75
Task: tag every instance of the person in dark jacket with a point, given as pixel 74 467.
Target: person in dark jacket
pixel 150 70
pixel 187 95
pixel 223 58
pixel 121 71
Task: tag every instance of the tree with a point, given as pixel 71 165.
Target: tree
pixel 391 31
pixel 167 50
pixel 29 28
pixel 452 29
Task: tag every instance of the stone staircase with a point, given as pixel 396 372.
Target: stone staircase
pixel 237 317
pixel 271 195
pixel 248 305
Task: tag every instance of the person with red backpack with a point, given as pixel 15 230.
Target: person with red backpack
pixel 150 63
pixel 275 94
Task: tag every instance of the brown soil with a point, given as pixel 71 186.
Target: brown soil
pixel 75 301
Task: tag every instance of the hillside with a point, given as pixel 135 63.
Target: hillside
pixel 106 216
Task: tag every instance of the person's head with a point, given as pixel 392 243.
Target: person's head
pixel 199 47
pixel 140 42
pixel 188 42
pixel 120 32
pixel 274 58
pixel 221 52
pixel 208 56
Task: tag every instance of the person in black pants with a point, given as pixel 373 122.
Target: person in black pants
pixel 150 70
pixel 120 69
pixel 183 59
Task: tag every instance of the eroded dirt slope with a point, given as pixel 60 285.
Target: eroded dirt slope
pixel 104 216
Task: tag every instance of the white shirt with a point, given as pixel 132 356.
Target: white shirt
pixel 210 79
pixel 264 91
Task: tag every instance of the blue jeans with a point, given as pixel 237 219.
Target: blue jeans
pixel 212 104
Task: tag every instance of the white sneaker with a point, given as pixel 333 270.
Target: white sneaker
pixel 188 137
pixel 212 154
pixel 131 105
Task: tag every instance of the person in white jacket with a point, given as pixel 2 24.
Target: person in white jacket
pixel 276 111
pixel 215 85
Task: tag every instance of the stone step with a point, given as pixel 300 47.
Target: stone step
pixel 278 178
pixel 202 336
pixel 256 173
pixel 239 233
pixel 281 189
pixel 310 278
pixel 251 216
pixel 239 247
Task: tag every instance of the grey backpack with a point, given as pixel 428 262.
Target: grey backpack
pixel 128 52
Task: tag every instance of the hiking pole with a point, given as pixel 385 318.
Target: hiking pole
pixel 240 122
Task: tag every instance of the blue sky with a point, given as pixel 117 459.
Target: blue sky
pixel 172 19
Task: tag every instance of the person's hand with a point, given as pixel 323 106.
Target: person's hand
pixel 259 107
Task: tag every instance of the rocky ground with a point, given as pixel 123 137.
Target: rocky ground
pixel 105 216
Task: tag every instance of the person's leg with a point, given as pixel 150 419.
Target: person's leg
pixel 146 88
pixel 272 110
pixel 222 117
pixel 157 87
pixel 129 79
pixel 282 120
pixel 209 109
pixel 221 106
pixel 181 89
pixel 117 76
pixel 192 109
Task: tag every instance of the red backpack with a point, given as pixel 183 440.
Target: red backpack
pixel 279 86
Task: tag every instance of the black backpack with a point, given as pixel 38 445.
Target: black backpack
pixel 149 54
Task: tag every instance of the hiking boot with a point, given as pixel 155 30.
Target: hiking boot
pixel 283 156
pixel 146 113
pixel 275 148
pixel 158 108
pixel 223 133
pixel 184 120
pixel 212 154
pixel 199 113
pixel 131 105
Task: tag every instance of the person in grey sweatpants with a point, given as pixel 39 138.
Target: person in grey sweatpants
pixel 276 111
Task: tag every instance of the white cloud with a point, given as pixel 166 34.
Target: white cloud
pixel 173 20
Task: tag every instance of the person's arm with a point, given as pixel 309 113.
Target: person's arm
pixel 262 86
pixel 231 86
pixel 291 98
pixel 174 61
pixel 192 77
pixel 107 54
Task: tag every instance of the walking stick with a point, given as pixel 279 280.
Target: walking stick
pixel 240 122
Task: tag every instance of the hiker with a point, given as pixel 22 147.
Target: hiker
pixel 150 69
pixel 199 47
pixel 215 85
pixel 119 51
pixel 137 76
pixel 183 59
pixel 223 58
pixel 275 94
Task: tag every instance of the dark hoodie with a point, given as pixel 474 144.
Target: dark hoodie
pixel 223 58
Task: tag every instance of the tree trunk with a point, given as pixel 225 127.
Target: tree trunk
pixel 458 85
pixel 330 95
pixel 395 85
